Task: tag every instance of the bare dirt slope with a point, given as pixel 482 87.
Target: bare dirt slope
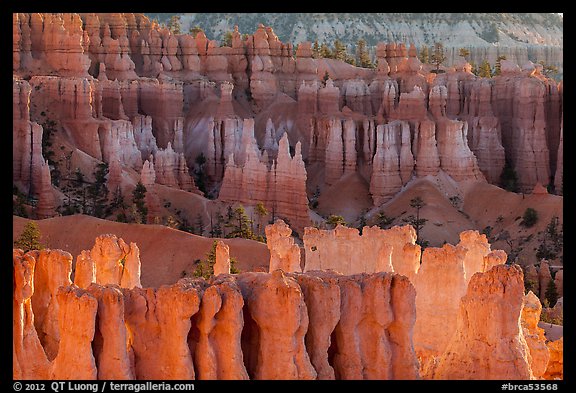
pixel 165 253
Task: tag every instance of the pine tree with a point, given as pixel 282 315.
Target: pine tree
pixel 240 225
pixel 227 39
pixel 363 58
pixel 325 52
pixel 261 211
pixel 551 293
pixel 424 55
pixel 198 225
pixel 485 71
pixel 174 24
pixel 205 268
pixel 29 239
pixel 138 198
pixel 325 78
pixel 418 223
pixel 316 50
pixel 195 30
pixel 464 52
pixel 383 221
pixel 438 57
pixel 216 227
pixel 335 220
pixel 98 192
pixel 339 50
pixel 498 65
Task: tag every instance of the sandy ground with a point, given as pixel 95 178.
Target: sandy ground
pixel 165 253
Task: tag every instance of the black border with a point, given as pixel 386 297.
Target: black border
pixel 292 6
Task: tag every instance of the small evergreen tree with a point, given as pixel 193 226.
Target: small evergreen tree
pixel 498 65
pixel 551 293
pixel 509 178
pixel 325 78
pixel 424 55
pixel 464 52
pixel 261 212
pixel 363 58
pixel 418 223
pixel 335 220
pixel 174 24
pixel 198 225
pixel 200 177
pixel 530 218
pixel 205 268
pixel 325 52
pixel 316 50
pixel 485 71
pixel 138 198
pixel 195 30
pixel 227 39
pixel 240 225
pixel 216 227
pixel 548 70
pixel 438 57
pixel 339 50
pixel 383 221
pixel 98 192
pixel 29 239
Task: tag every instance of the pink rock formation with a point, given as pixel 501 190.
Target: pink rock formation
pixel 488 343
pixel 111 337
pixel 369 344
pixel 62 44
pixel 534 335
pixel 217 348
pixel 318 324
pixel 496 257
pixel 555 368
pixel 159 320
pixel 29 361
pixel 85 270
pixel 334 161
pixel 52 270
pixel 456 159
pixel 393 162
pixel 328 97
pixel 46 202
pixel 559 281
pixel 143 136
pixel 76 320
pixel 116 262
pixel 222 264
pixel 405 252
pixel 322 298
pixel 484 133
pixel 284 254
pixel 519 104
pixel 117 141
pixel 559 176
pixel 485 142
pixel 343 249
pixel 425 149
pixel 478 248
pixel 281 188
pixel 276 323
pixel 436 305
